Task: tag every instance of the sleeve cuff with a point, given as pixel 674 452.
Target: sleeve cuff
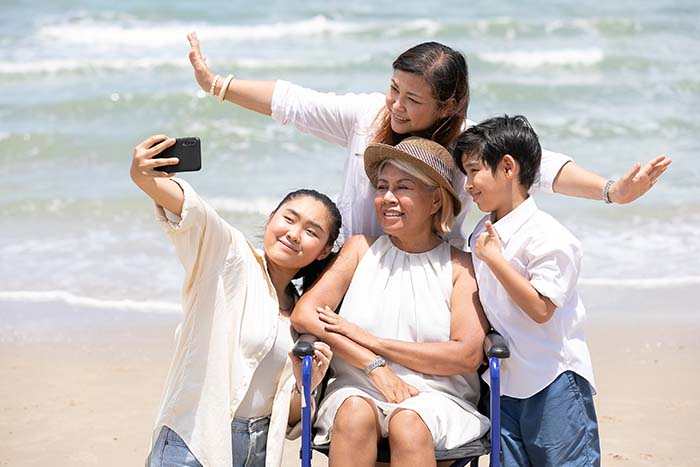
pixel 551 164
pixel 549 290
pixel 171 220
pixel 279 101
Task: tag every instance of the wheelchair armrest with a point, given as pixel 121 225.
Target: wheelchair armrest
pixel 495 345
pixel 304 345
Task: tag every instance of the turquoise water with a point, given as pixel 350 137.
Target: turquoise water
pixel 609 85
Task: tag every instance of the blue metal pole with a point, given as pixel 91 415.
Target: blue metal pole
pixel 306 411
pixel 495 412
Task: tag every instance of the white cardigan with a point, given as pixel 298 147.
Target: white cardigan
pixel 230 322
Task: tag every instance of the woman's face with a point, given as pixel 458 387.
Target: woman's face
pixel 404 205
pixel 297 233
pixel 411 103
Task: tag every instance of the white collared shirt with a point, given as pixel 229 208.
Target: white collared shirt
pixel 230 322
pixel 549 256
pixel 348 120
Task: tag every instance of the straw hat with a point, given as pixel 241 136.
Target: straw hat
pixel 427 156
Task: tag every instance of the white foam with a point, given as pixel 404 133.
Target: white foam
pixel 642 283
pixel 535 59
pixel 76 300
pixel 142 35
pixel 87 64
pixel 259 205
pixel 53 66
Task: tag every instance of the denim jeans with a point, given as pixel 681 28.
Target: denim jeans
pixel 556 427
pixel 248 440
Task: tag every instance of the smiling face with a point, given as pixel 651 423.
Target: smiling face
pixel 297 233
pixel 487 188
pixel 404 205
pixel 411 103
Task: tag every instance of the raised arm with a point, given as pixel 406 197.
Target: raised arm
pixel 253 95
pixel 461 354
pixel 574 180
pixel 156 184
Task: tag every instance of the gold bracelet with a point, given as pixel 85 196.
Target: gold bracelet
pixel 224 87
pixel 213 84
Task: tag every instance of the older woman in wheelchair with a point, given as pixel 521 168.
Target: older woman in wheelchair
pixel 408 340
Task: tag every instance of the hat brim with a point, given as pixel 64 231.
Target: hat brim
pixel 377 153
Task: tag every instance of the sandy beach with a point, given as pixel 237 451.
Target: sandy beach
pixel 81 388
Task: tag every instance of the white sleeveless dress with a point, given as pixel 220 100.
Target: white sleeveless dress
pixel 405 296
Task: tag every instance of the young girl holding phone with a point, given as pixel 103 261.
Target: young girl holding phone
pixel 230 394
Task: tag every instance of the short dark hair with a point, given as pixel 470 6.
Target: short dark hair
pixel 492 139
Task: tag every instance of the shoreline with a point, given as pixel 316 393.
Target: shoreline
pixel 82 386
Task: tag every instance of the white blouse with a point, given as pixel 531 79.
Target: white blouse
pixel 549 256
pixel 229 326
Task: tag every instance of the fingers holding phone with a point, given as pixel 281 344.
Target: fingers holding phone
pixel 144 163
pixel 161 156
pixel 186 152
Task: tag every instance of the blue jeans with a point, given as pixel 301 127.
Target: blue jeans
pixel 248 440
pixel 556 427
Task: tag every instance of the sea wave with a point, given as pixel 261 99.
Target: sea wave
pixel 148 35
pixel 89 302
pixel 256 205
pixel 642 283
pixel 52 66
pixel 539 58
pixel 90 65
pixel 118 31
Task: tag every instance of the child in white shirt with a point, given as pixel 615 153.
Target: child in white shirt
pixel 527 266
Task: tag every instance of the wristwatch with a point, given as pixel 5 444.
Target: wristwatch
pixel 378 361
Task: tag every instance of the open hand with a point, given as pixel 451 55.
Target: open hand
pixel 638 180
pixel 202 73
pixel 488 245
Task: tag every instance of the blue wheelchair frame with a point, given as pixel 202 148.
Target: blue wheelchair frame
pixel 495 348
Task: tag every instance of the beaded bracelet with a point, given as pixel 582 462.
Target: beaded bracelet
pixel 224 87
pixel 213 84
pixel 606 191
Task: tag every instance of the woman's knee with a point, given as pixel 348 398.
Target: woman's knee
pixel 407 429
pixel 355 417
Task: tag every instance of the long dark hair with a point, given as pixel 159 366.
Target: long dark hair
pixel 445 70
pixel 309 273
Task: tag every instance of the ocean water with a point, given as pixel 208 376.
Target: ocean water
pixel 81 84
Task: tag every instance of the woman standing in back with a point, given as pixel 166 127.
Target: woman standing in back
pixel 427 96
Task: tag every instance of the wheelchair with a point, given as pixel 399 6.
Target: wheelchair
pixel 495 349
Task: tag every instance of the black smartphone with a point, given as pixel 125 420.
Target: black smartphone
pixel 188 150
